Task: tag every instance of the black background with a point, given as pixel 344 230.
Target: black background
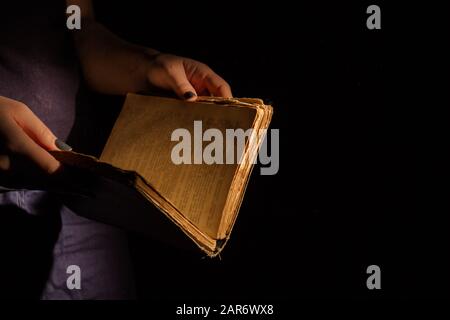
pixel 361 140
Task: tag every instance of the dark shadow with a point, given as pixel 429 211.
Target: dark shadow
pixel 26 244
pixel 94 118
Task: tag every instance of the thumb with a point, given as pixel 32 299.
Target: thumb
pixel 181 85
pixel 37 130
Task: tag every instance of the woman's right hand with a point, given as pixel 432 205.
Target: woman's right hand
pixel 24 144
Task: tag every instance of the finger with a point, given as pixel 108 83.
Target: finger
pixel 23 145
pixel 5 162
pixel 36 129
pixel 217 86
pixel 180 84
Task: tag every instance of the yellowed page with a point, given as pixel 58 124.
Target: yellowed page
pixel 141 141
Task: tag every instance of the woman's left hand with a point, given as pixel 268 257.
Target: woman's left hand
pixel 186 77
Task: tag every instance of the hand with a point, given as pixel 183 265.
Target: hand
pixel 24 142
pixel 186 77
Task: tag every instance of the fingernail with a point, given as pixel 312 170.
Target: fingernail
pixel 188 95
pixel 61 145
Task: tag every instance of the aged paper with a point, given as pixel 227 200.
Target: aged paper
pixel 141 142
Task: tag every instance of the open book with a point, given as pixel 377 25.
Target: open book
pixel 146 152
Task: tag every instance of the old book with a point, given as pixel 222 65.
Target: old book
pixel 200 196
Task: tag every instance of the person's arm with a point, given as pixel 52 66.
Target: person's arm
pixel 24 144
pixel 114 66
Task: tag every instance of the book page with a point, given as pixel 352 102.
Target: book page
pixel 141 141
